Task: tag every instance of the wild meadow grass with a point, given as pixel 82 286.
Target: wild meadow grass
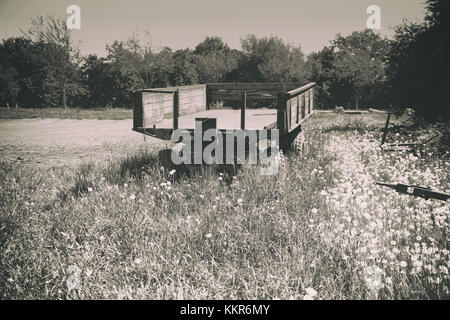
pixel 319 229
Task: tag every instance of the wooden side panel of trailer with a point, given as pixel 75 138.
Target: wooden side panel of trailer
pixel 255 91
pixel 155 105
pixel 294 107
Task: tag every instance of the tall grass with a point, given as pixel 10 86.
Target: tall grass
pixel 137 230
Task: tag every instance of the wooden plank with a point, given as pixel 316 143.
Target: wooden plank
pixel 294 109
pixel 235 97
pixel 158 105
pixel 249 91
pixel 227 119
pixel 302 106
pixel 307 106
pixel 255 85
pixel 156 97
pixel 171 89
pixel 301 89
pixel 288 114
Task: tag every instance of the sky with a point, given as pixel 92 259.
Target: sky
pixel 184 23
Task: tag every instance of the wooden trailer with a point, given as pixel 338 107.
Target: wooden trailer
pixel 158 112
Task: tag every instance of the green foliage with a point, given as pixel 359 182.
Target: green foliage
pixel 184 71
pixel 40 68
pixel 419 65
pixel 352 70
pixel 44 68
pixel 269 59
pixel 214 60
pixel 9 86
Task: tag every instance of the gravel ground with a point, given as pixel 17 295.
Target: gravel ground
pixel 56 142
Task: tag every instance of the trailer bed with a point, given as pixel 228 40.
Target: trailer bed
pixel 160 111
pixel 227 119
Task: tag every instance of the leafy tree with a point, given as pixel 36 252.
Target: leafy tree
pixel 269 59
pixel 162 67
pixel 16 65
pixel 211 45
pixel 98 78
pixel 60 74
pixel 351 70
pixel 419 64
pixel 123 73
pixel 330 91
pixel 184 71
pixel 9 86
pixel 214 60
pixel 360 62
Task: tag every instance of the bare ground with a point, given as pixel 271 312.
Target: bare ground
pixel 58 142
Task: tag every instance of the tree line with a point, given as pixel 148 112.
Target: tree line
pixel 43 68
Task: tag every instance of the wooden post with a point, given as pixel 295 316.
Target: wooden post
pixel 309 102
pixel 281 111
pixel 289 114
pixel 243 107
pixel 176 106
pixel 138 112
pixel 208 97
pixel 385 129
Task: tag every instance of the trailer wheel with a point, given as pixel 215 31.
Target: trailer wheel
pixel 282 160
pixel 279 158
pixel 299 143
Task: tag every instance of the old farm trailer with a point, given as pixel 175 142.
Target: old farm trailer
pixel 160 111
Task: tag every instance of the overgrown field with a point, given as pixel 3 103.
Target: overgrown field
pixel 321 229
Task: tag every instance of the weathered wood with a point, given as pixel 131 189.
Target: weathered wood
pixel 235 96
pixel 307 104
pixel 301 89
pixel 159 104
pixel 289 114
pixel 138 111
pixel 243 107
pixel 302 105
pixel 172 89
pixel 281 113
pixel 176 102
pixel 383 139
pixel 171 108
pixel 255 91
pixel 254 86
pixel 296 102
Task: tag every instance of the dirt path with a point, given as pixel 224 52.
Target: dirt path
pixel 56 142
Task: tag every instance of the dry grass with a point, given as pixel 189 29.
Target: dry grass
pixel 70 113
pixel 142 232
